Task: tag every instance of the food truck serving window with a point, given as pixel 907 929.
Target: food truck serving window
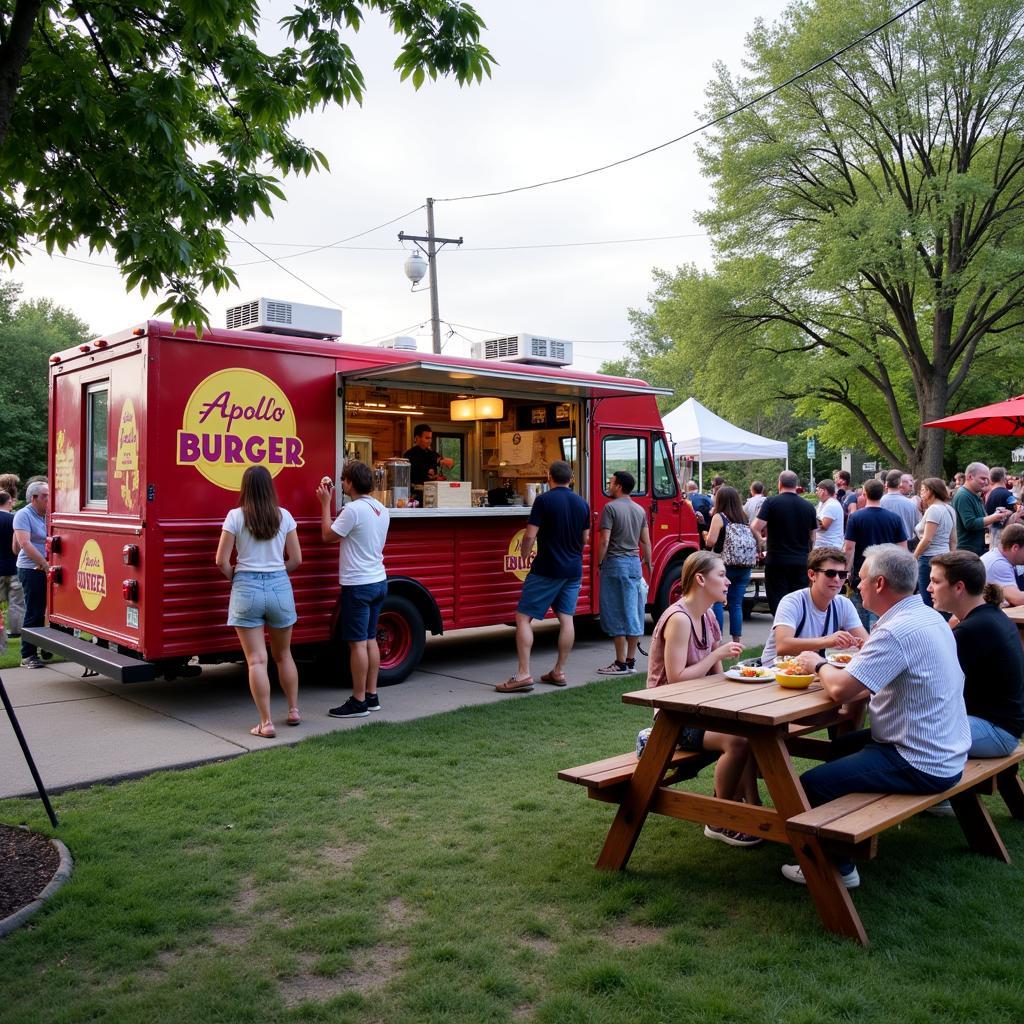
pixel 96 421
pixel 630 454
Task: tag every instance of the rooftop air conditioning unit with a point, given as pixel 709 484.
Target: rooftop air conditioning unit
pixel 273 316
pixel 401 344
pixel 525 348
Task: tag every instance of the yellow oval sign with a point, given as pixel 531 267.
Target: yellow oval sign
pixel 91 578
pixel 514 561
pixel 235 419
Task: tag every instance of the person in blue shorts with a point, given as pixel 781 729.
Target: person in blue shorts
pixel 560 528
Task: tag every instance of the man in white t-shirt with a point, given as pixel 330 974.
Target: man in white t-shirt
pixel 1002 561
pixel 753 504
pixel 831 522
pixel 361 528
pixel 817 616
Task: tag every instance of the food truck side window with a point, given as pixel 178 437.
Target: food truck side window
pixel 630 454
pixel 97 403
pixel 664 481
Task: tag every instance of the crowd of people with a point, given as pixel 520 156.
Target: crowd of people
pixel 933 660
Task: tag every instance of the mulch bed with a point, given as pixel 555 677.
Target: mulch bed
pixel 27 863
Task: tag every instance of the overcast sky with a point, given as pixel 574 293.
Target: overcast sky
pixel 579 83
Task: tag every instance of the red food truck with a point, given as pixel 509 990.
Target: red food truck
pixel 151 429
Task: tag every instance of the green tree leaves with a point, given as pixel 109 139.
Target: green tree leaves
pixel 145 126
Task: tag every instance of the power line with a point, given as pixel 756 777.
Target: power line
pixel 476 248
pixel 323 295
pixel 702 127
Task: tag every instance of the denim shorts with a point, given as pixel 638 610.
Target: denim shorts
pixel 543 592
pixel 360 609
pixel 262 598
pixel 620 595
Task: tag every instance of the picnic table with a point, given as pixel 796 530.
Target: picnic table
pixel 776 722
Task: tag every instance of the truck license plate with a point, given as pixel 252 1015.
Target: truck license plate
pixel 133 618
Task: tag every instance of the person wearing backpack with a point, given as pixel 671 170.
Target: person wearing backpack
pixel 731 537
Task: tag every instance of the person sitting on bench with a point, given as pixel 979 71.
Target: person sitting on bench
pixel 919 736
pixel 989 651
pixel 817 616
pixel 687 644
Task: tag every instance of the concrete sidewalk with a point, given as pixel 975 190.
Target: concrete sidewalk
pixel 83 731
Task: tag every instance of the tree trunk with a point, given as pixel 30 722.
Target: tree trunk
pixel 931 443
pixel 12 58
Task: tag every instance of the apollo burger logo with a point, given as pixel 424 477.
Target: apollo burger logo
pixel 234 419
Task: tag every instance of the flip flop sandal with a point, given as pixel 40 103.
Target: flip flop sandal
pixel 264 732
pixel 550 677
pixel 513 685
pixel 294 718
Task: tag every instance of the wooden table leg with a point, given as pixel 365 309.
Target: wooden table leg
pixel 978 827
pixel 831 897
pixel 1012 791
pixel 632 812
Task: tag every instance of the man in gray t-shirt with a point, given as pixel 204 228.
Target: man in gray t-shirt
pixel 622 532
pixel 894 500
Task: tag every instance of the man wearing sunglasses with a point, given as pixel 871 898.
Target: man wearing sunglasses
pixel 817 617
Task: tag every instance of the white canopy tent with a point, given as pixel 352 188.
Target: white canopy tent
pixel 697 432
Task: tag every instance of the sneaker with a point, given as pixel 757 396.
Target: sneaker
pixel 616 668
pixel 795 874
pixel 631 664
pixel 372 702
pixel 46 655
pixel 352 708
pixel 32 662
pixel 943 810
pixel 727 835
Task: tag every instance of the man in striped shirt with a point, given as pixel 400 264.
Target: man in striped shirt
pixel 919 735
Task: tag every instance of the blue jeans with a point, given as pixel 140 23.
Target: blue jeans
pixel 739 580
pixel 33 583
pixel 988 740
pixel 863 766
pixel 924 569
pixel 868 619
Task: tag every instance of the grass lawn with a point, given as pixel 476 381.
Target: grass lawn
pixel 10 657
pixel 437 871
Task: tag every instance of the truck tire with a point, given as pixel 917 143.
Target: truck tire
pixel 401 637
pixel 669 589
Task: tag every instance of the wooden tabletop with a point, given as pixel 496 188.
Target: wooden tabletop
pixel 715 696
pixel 1016 615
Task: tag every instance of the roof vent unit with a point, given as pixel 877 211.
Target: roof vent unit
pixel 272 316
pixel 401 344
pixel 524 348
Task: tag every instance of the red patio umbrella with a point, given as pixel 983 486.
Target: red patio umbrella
pixel 1002 418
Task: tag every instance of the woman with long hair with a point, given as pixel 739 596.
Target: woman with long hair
pixel 936 531
pixel 265 537
pixel 687 644
pixel 731 537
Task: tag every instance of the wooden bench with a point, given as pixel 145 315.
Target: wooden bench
pixel 852 823
pixel 759 595
pixel 603 779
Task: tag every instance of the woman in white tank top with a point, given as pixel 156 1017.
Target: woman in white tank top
pixel 267 543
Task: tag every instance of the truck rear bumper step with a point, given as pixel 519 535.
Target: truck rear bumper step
pixel 120 667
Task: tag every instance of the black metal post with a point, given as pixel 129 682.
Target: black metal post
pixel 9 708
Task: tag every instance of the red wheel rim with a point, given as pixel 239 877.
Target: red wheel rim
pixel 394 638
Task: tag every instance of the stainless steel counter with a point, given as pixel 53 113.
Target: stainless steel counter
pixel 498 512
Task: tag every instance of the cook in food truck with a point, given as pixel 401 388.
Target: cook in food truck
pixel 152 428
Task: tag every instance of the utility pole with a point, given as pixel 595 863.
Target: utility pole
pixel 433 247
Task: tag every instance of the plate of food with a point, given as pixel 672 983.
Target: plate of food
pixel 750 674
pixel 840 658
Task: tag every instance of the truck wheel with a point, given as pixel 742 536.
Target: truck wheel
pixel 401 637
pixel 670 590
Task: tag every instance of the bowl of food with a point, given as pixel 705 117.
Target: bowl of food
pixel 793 678
pixel 787 665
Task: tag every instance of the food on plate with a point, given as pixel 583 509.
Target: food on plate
pixel 793 679
pixel 841 659
pixel 751 672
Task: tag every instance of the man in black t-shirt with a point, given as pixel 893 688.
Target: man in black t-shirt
pixel 989 652
pixel 560 525
pixel 10 587
pixel 1000 496
pixel 790 524
pixel 425 463
pixel 866 527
